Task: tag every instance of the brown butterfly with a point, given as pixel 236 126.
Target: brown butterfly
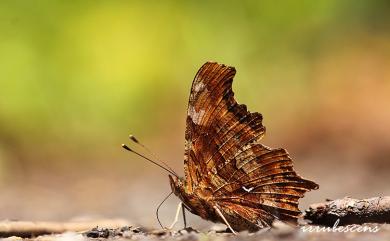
pixel 230 177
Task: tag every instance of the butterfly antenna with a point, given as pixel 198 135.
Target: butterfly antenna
pixel 136 141
pixel 148 159
pixel 158 208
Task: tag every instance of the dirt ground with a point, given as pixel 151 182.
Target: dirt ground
pixel 279 232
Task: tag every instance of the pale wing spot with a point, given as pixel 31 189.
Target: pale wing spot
pixel 247 189
pixel 196 116
pixel 188 145
pixel 243 158
pixel 199 86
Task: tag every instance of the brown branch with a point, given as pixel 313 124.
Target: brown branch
pixel 33 229
pixel 350 211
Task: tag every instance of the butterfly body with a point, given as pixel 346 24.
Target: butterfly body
pixel 197 202
pixel 229 174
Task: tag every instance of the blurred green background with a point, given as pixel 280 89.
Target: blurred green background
pixel 76 77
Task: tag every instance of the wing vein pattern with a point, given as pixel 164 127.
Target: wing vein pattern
pixel 223 154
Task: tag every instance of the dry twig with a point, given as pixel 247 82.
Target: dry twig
pixel 350 211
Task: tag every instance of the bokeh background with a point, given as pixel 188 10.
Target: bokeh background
pixel 76 77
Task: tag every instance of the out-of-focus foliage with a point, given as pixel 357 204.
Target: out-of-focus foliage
pixel 77 76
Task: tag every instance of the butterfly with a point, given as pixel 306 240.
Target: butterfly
pixel 230 177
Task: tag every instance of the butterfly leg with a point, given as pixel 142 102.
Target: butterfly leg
pixel 179 207
pixel 184 215
pixel 224 219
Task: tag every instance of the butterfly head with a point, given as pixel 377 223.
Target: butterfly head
pixel 177 185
